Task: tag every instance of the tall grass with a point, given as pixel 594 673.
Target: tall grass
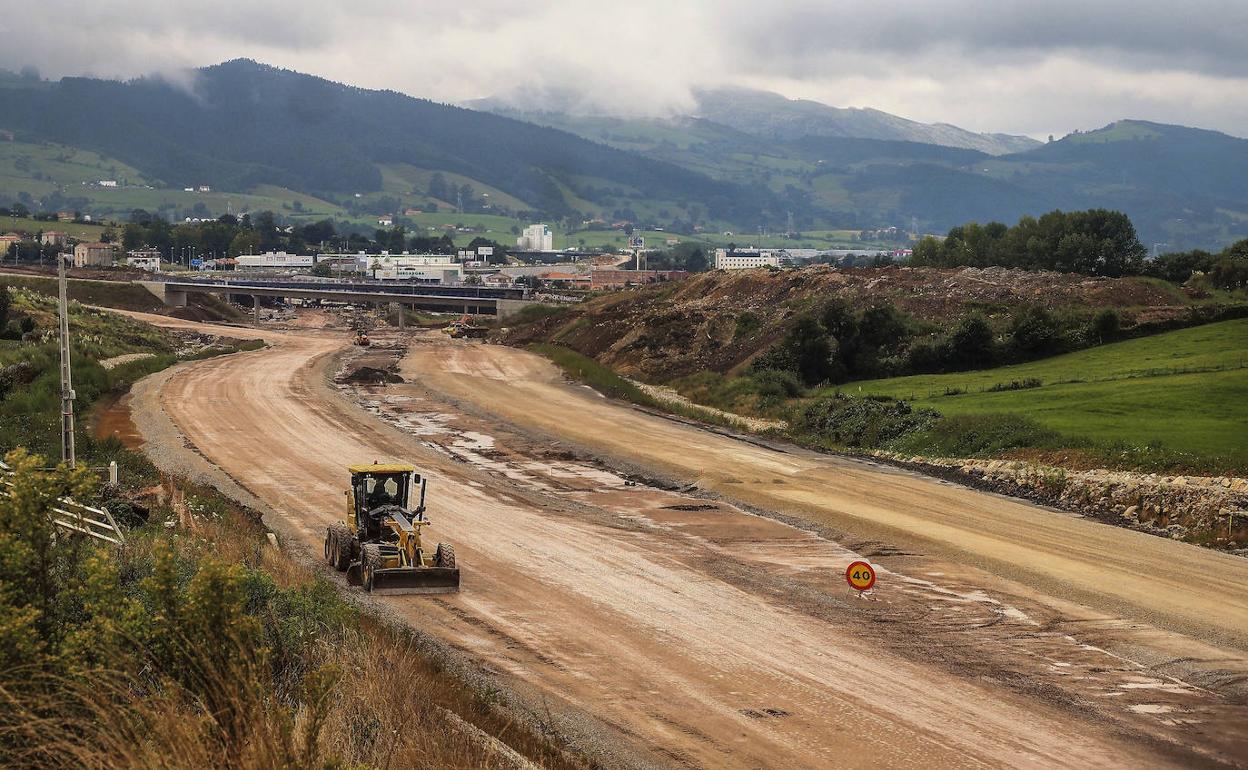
pixel 204 647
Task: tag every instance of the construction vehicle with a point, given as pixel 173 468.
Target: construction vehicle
pixel 360 324
pixel 378 544
pixel 465 328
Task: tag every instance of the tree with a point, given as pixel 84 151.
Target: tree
pixel 971 345
pixel 245 242
pixel 1034 331
pixel 5 304
pixel 438 188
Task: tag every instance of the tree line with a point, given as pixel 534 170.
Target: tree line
pixel 1095 242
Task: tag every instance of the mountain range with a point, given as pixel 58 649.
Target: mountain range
pixel 739 160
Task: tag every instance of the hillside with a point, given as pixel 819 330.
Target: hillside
pixel 763 115
pixel 1195 377
pixel 720 322
pixel 772 116
pixel 1184 188
pixel 264 138
pixel 241 124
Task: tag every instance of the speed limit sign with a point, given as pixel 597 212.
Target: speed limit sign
pixel 860 576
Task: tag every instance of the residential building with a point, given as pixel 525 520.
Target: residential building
pixel 54 238
pixel 385 220
pixel 108 183
pixel 144 259
pixel 93 255
pixel 566 280
pixel 498 279
pixel 65 216
pixel 536 238
pixel 744 259
pixel 7 240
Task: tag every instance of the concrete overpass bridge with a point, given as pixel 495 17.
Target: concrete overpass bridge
pixel 474 300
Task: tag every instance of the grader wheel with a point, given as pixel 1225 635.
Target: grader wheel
pixel 338 547
pixel 370 561
pixel 444 556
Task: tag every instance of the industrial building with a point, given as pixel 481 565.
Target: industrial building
pixel 275 260
pixel 536 238
pixel 445 268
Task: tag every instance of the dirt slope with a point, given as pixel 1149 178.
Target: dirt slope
pixel 672 330
pixel 705 640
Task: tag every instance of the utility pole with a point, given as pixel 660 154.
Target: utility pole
pixel 67 385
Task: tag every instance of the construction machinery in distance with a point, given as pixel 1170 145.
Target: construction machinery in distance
pixel 465 328
pixel 378 544
pixel 360 325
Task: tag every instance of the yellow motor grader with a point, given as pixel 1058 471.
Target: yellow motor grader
pixel 378 543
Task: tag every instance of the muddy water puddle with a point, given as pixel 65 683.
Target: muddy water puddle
pixel 110 418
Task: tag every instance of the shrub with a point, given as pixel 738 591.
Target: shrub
pixel 1105 326
pixel 1034 331
pixel 861 422
pixel 747 324
pixel 1030 382
pixel 773 387
pixel 971 345
pixel 972 435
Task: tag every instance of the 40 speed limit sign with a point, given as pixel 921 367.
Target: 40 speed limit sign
pixel 860 576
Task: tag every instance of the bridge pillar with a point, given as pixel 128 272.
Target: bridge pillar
pixel 255 309
pixel 170 297
pixel 397 307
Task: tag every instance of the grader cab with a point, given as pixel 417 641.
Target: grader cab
pixel 379 545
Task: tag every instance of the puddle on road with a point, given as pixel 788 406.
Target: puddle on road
pixel 110 418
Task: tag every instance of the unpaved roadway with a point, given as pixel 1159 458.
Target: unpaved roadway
pixel 699 635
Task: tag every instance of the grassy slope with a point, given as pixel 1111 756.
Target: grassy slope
pixel 26 225
pixel 123 296
pixel 1187 390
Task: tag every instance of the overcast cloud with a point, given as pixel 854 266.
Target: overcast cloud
pixel 1035 67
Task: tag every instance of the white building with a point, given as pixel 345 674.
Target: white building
pixel 275 260
pixel 536 238
pixel 744 259
pixel 445 268
pixel 148 263
pixel 108 183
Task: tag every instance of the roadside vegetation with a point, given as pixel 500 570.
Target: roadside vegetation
pixel 198 644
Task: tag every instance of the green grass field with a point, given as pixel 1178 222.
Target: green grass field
pixel 26 225
pixel 1186 390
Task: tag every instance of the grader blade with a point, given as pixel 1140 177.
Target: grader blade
pixel 414 580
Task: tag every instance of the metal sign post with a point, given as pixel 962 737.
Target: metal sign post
pixel 67 385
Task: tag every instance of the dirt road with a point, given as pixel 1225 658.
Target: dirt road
pixel 1171 584
pixel 697 634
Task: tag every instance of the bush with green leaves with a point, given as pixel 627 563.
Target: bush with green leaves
pixel 864 423
pixel 1034 332
pixel 976 435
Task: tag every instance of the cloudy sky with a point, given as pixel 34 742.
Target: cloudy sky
pixel 1041 67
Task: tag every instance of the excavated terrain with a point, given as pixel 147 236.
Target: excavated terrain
pixel 671 330
pixel 681 590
